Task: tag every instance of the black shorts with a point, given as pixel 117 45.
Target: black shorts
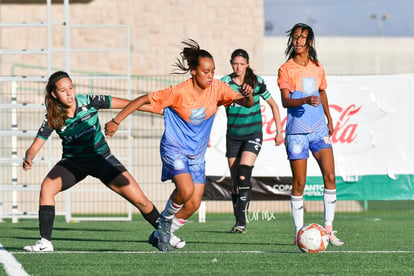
pixel 235 146
pixel 106 168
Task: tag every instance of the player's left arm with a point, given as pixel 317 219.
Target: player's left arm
pixel 325 105
pixel 276 118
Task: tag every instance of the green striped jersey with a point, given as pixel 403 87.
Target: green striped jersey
pixel 81 135
pixel 243 121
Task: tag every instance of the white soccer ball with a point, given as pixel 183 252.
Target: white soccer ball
pixel 312 238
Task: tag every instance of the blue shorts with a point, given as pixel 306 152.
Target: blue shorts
pixel 298 145
pixel 179 164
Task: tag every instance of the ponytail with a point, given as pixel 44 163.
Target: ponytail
pixel 190 56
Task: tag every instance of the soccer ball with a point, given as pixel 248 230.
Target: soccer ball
pixel 312 238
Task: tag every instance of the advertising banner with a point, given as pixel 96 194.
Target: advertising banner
pixel 372 142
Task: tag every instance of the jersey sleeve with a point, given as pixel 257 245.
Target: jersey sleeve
pixel 44 130
pixel 99 101
pixel 283 79
pixel 263 92
pixel 227 95
pixel 162 98
pixel 324 83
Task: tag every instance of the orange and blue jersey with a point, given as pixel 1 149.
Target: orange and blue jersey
pixel 303 81
pixel 188 116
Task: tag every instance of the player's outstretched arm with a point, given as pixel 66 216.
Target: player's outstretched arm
pixel 118 103
pixel 31 153
pixel 112 126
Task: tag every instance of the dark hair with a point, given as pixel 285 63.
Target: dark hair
pixel 290 51
pixel 190 56
pixel 250 78
pixel 56 112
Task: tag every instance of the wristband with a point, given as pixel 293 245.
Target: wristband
pixel 279 131
pixel 115 122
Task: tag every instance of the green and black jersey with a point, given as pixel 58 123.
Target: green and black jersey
pixel 81 136
pixel 243 121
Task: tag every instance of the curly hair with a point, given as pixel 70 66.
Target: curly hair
pixel 310 42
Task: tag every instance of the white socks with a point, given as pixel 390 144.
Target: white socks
pixel 329 203
pixel 296 203
pixel 177 223
pixel 171 208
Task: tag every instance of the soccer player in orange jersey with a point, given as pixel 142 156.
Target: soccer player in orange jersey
pixel 309 124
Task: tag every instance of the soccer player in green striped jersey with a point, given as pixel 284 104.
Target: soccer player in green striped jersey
pixel 85 152
pixel 244 134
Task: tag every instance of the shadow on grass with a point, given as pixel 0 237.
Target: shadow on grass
pixel 34 228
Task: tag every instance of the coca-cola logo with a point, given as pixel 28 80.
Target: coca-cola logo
pixel 345 130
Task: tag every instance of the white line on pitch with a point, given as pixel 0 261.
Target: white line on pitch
pixel 218 252
pixel 10 264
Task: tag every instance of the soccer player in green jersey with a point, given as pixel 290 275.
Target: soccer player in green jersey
pixel 244 134
pixel 85 152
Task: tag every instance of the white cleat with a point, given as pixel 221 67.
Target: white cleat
pixel 333 240
pixel 42 245
pixel 176 242
pixel 238 229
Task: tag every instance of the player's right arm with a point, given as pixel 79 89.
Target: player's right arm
pixel 286 87
pixel 31 153
pixel 288 102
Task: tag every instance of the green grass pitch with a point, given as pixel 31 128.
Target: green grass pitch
pixel 376 243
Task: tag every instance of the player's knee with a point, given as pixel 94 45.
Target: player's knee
pixel 329 179
pixel 244 174
pixel 48 194
pixel 298 186
pixel 196 205
pixel 192 205
pixel 183 195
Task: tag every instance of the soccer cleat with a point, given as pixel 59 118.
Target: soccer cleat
pixel 238 229
pixel 295 242
pixel 175 241
pixel 153 239
pixel 42 245
pixel 333 240
pixel 164 234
